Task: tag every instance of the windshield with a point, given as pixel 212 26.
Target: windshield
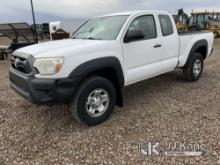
pixel 104 28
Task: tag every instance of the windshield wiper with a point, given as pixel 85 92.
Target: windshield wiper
pixel 92 38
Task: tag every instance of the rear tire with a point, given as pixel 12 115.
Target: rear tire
pixel 193 68
pixel 94 101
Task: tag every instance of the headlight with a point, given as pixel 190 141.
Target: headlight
pixel 48 66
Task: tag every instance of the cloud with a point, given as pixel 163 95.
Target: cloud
pixel 47 10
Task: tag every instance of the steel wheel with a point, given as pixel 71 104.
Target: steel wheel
pixel 193 69
pixel 197 67
pixel 97 102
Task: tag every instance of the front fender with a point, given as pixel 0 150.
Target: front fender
pixel 98 64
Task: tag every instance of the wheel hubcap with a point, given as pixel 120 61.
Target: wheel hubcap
pixel 197 67
pixel 97 102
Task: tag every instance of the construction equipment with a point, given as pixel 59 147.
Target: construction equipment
pixel 215 22
pixel 215 16
pixel 205 21
pixel 183 24
pixel 200 19
pixel 181 20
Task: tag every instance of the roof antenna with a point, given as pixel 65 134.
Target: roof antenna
pixel 35 27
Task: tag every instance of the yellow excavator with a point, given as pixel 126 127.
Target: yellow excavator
pixel 183 24
pixel 181 20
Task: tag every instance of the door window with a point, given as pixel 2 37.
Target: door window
pixel 146 24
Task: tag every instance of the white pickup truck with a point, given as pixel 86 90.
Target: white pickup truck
pixel 105 54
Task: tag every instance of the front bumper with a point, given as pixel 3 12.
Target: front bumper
pixel 43 91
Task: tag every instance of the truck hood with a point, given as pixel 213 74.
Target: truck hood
pixel 57 48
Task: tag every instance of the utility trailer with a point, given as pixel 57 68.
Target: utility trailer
pixel 20 34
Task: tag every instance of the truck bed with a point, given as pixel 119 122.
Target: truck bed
pixel 188 39
pixel 192 32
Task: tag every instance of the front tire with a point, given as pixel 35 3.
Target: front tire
pixel 193 69
pixel 94 101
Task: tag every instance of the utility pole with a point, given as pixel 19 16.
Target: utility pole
pixel 35 27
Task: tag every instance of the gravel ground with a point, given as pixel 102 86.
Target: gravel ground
pixel 165 108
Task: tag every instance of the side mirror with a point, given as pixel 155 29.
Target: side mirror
pixel 134 35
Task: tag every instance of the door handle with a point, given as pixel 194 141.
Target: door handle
pixel 157 45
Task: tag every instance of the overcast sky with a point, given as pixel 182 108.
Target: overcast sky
pixel 52 10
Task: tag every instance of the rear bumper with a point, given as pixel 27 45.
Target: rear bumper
pixel 43 91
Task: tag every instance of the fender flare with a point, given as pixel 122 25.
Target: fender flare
pixel 196 46
pixel 98 64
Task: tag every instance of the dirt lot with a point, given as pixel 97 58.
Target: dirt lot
pixel 165 108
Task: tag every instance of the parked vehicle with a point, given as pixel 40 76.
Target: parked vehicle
pixel 106 54
pixel 67 26
pixel 43 31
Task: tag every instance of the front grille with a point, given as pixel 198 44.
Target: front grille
pixel 21 64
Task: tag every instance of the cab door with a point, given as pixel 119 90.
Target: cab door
pixel 142 56
pixel 170 41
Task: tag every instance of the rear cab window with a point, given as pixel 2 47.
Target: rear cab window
pixel 166 25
